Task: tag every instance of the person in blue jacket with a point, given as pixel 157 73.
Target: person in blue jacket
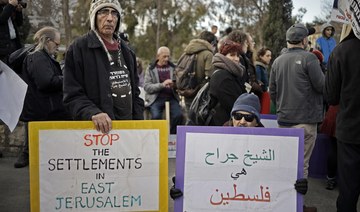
pixel 326 43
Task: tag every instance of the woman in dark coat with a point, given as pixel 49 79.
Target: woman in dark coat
pixel 42 73
pixel 227 83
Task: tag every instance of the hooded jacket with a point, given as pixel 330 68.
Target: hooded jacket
pixel 326 44
pixel 204 67
pixel 87 89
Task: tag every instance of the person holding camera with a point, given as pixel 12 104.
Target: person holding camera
pixel 11 17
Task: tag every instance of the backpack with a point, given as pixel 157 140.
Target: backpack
pixel 201 109
pixel 16 58
pixel 185 75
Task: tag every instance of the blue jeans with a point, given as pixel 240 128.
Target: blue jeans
pixel 176 117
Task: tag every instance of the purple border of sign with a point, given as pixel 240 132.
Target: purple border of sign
pixel 180 150
pixel 268 116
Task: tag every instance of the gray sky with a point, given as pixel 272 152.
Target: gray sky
pixel 313 8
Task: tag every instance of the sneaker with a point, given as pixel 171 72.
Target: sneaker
pixel 22 161
pixel 309 209
pixel 331 184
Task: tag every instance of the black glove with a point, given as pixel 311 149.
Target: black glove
pixel 301 186
pixel 175 192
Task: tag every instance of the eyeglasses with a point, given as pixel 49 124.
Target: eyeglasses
pixel 106 12
pixel 248 117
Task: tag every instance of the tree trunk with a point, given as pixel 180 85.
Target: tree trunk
pixel 66 18
pixel 159 17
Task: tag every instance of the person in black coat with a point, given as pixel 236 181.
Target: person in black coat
pixel 226 83
pixel 11 18
pixel 42 73
pixel 100 77
pixel 342 88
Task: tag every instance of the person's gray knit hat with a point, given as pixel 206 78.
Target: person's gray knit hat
pixel 97 5
pixel 249 103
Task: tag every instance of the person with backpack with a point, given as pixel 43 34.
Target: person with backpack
pixel 160 87
pixel 227 82
pixel 203 49
pixel 44 97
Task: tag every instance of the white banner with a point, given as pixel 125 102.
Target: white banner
pixel 228 172
pixel 351 10
pixel 83 170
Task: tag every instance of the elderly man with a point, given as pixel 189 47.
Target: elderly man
pixel 100 78
pixel 159 88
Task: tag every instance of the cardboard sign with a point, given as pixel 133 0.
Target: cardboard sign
pixel 230 169
pixel 76 168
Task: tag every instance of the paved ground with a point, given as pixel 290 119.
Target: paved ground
pixel 15 191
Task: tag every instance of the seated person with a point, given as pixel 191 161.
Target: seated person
pixel 245 113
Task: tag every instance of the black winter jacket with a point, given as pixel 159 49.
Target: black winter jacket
pixel 226 85
pixel 86 79
pixel 342 87
pixel 43 101
pixel 7 11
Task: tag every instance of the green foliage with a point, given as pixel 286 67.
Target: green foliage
pixel 154 23
pixel 177 26
pixel 80 20
pixel 279 20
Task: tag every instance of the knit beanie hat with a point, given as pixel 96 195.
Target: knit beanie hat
pixel 97 5
pixel 229 46
pixel 249 103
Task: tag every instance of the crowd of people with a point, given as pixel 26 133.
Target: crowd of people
pixel 101 77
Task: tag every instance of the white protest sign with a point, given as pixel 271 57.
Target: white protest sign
pixel 234 169
pixel 84 169
pixel 76 168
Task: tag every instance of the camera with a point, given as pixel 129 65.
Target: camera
pixel 22 3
